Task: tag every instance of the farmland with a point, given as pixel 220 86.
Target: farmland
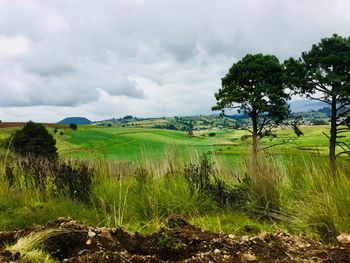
pixel 127 144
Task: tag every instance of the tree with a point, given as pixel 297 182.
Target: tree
pixel 34 139
pixel 254 86
pixel 323 74
pixel 73 126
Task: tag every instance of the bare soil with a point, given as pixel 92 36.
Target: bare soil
pixel 177 242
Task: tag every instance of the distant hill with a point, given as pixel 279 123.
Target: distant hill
pixel 306 105
pixel 75 120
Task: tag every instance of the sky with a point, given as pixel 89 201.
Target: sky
pixel 148 58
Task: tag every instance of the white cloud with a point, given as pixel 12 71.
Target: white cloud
pixel 147 58
pixel 12 46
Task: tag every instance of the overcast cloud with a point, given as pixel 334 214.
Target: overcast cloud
pixel 109 58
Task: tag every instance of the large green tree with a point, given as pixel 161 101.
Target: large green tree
pixel 323 74
pixel 254 86
pixel 34 140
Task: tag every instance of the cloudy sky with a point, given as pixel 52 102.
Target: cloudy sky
pixel 108 58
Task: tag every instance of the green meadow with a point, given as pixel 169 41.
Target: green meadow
pixel 130 144
pixel 141 177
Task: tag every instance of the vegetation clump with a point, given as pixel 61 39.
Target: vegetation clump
pixel 73 126
pixel 73 180
pixel 204 177
pixel 211 134
pixel 59 178
pixel 34 139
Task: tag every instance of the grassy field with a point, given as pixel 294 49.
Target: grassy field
pixel 140 179
pixel 128 144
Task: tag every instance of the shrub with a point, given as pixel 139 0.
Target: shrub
pixel 142 177
pixel 211 134
pixel 73 126
pixel 34 139
pixel 203 177
pixel 10 178
pixel 74 181
pixel 319 122
pixel 199 175
pixel 50 176
pixel 36 172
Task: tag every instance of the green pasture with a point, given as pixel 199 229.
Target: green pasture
pixel 131 144
pixel 135 143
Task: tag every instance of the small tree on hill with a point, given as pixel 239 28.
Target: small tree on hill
pixel 254 86
pixel 34 139
pixel 73 126
pixel 323 74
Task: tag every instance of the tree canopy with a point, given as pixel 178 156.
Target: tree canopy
pixel 323 74
pixel 254 86
pixel 34 139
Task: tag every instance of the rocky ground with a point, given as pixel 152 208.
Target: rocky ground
pixel 177 242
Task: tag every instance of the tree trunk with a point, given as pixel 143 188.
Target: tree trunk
pixel 255 136
pixel 333 135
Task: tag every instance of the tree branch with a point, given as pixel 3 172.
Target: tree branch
pixel 246 129
pixel 325 135
pixel 277 144
pixel 343 106
pixel 322 100
pixel 344 152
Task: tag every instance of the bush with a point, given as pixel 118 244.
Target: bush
pixel 73 126
pixel 74 181
pixel 211 134
pixel 34 139
pixel 319 122
pixel 51 176
pixel 203 177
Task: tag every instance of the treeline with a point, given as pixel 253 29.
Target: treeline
pixel 260 86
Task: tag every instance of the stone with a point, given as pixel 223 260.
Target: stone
pixel 247 257
pixel 344 239
pixel 217 251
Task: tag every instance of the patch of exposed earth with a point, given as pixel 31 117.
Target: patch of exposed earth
pixel 177 242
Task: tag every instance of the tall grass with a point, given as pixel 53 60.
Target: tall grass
pixel 303 193
pixel 30 247
pixel 292 194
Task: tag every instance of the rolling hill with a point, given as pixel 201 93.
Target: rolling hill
pixel 75 120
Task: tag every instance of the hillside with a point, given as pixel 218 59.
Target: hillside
pixel 75 120
pixel 306 105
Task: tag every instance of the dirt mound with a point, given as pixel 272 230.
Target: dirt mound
pixel 179 241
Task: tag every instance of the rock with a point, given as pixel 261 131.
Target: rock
pixel 88 242
pixel 343 239
pixel 61 219
pixel 91 233
pixel 217 251
pixel 248 257
pixel 231 236
pixel 245 238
